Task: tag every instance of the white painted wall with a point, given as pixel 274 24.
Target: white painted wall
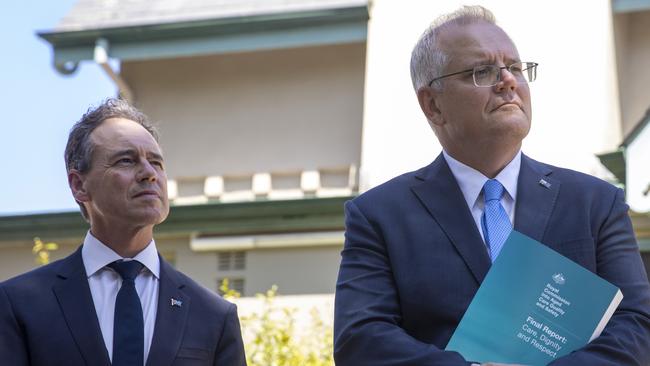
pixel 638 172
pixel 575 99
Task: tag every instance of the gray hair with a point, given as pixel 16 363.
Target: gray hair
pixel 428 60
pixel 79 149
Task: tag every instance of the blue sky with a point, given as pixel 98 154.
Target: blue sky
pixel 38 108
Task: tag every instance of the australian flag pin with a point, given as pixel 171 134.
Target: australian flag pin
pixel 176 302
pixel 544 183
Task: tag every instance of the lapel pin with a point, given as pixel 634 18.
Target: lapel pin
pixel 175 302
pixel 544 183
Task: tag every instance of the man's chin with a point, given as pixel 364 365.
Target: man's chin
pixel 511 128
pixel 150 216
pixel 515 118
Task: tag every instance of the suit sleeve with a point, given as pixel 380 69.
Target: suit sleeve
pixel 230 350
pixel 12 345
pixel 367 313
pixel 626 338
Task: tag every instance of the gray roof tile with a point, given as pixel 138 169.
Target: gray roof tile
pixel 98 14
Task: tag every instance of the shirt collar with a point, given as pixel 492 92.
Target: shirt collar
pixel 471 181
pixel 96 255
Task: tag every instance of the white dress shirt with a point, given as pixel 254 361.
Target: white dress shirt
pixel 105 283
pixel 471 183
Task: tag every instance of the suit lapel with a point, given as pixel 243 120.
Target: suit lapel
pixel 536 196
pixel 75 300
pixel 441 195
pixel 170 320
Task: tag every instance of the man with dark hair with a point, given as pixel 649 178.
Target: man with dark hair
pixel 115 301
pixel 418 247
pixel 79 149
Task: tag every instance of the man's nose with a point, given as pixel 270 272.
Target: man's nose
pixel 147 172
pixel 508 80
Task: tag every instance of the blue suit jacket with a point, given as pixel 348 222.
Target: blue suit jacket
pixel 47 318
pixel 413 259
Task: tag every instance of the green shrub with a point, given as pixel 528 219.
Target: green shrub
pixel 271 338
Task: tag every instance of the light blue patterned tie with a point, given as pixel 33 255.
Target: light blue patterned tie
pixel 494 222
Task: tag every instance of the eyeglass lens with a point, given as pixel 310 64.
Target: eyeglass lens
pixel 488 75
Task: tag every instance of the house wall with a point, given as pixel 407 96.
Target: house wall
pixel 637 171
pixel 17 257
pixel 310 270
pixel 295 270
pixel 281 110
pixel 633 58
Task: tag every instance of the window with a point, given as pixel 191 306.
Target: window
pixel 231 261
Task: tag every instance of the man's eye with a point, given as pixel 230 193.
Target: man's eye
pixel 516 69
pixel 481 72
pixel 157 163
pixel 125 161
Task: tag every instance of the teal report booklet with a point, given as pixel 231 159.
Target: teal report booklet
pixel 533 306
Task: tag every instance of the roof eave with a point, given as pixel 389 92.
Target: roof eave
pixel 636 131
pixel 614 161
pixel 277 216
pixel 212 36
pixel 206 27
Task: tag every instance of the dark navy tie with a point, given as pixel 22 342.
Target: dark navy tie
pixel 495 221
pixel 128 324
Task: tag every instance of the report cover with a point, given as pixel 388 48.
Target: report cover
pixel 533 306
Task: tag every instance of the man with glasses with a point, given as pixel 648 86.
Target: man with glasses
pixel 418 247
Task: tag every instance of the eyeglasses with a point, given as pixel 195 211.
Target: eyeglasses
pixel 490 75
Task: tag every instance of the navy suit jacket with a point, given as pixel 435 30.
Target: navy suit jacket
pixel 47 318
pixel 413 260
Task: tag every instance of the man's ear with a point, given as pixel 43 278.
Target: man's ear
pixel 77 183
pixel 428 98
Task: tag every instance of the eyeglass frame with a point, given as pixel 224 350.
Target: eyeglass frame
pixel 473 69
